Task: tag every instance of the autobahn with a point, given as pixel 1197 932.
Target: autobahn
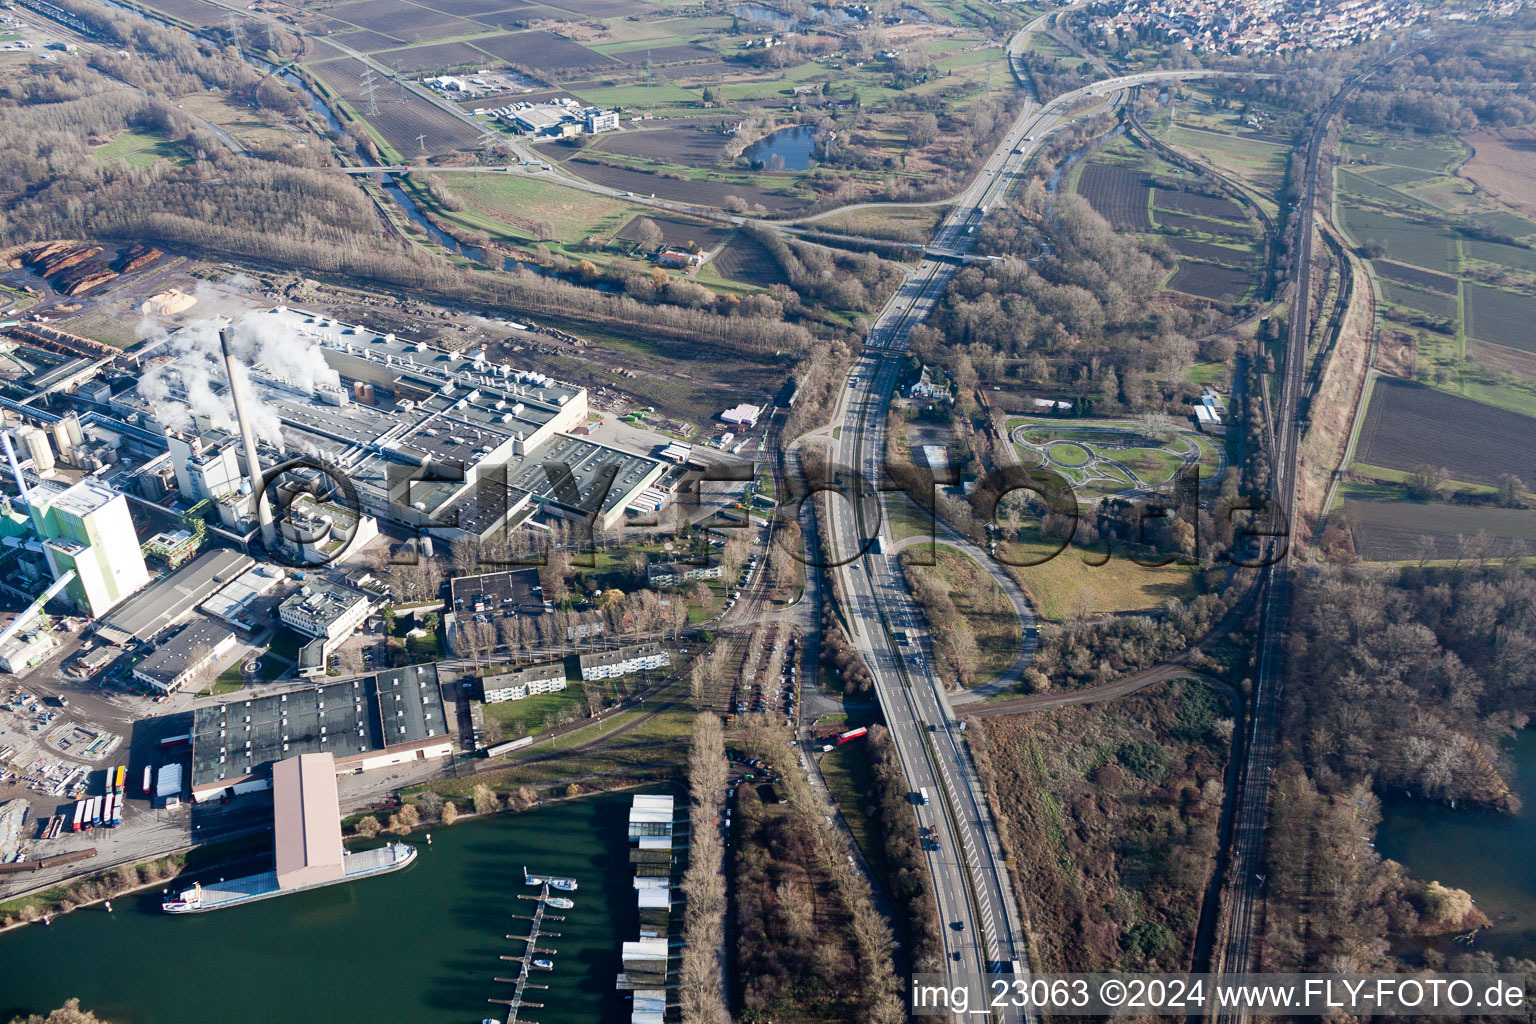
pixel 982 930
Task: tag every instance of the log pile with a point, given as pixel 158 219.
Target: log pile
pixel 136 257
pixel 70 268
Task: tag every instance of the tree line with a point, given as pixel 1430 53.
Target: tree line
pixel 808 941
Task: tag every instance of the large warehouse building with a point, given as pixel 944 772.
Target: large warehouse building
pixel 366 723
pixel 307 821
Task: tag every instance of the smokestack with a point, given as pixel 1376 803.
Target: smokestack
pixel 237 385
pixel 10 454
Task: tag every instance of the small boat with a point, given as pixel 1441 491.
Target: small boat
pixel 547 965
pixel 563 884
pixel 183 901
pixel 559 903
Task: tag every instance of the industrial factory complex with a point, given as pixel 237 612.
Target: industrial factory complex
pixel 170 502
pixel 233 567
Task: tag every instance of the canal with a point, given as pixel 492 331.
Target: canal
pixel 417 947
pixel 1489 855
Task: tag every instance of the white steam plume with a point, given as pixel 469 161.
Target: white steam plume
pixel 197 364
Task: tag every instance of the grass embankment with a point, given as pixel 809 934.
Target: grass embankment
pixel 638 744
pixel 109 883
pixel 984 611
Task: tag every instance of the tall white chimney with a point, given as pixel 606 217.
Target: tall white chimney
pixel 237 386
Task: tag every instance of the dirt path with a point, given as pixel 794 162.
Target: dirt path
pixel 1092 695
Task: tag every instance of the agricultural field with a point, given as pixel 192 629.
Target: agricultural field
pixel 1387 526
pixel 407 22
pixel 1210 281
pixel 1409 241
pixel 1254 160
pixel 1502 317
pixel 407 123
pixel 652 61
pixel 544 53
pixel 748 261
pixel 1504 165
pixel 680 232
pixel 1119 194
pixel 1408 425
pixel 434 58
pixel 191 12
pixel 1454 269
pixel 1216 243
pixel 698 146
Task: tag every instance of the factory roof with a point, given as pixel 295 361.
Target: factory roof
pixel 171 657
pixel 169 599
pixel 83 498
pixel 234 599
pixel 321 602
pixel 569 472
pixel 231 741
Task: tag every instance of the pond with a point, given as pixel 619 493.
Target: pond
pixel 788 149
pixel 1489 855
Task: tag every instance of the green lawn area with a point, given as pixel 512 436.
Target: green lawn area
pixel 507 205
pixel 229 681
pixel 1059 586
pixel 138 149
pixel 908 518
pixel 539 713
pixel 653 748
pixel 285 646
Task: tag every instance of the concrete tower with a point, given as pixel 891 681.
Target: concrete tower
pixel 237 386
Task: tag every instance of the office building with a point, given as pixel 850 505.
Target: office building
pixel 325 610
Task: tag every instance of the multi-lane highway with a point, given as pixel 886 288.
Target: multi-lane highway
pixel 977 904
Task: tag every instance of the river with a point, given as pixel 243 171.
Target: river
pixel 1489 855
pixel 417 947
